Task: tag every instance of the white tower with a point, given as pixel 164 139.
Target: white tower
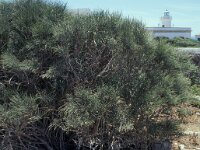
pixel 166 19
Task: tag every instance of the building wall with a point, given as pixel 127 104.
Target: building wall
pixel 166 21
pixel 172 35
pixel 170 32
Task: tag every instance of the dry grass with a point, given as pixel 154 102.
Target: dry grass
pixel 190 124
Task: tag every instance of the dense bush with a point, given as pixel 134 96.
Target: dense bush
pixel 180 42
pixel 84 78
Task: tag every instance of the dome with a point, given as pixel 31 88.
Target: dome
pixel 166 13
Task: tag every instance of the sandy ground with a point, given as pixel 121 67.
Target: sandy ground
pixel 190 126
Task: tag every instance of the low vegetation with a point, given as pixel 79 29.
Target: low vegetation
pixel 71 81
pixel 181 42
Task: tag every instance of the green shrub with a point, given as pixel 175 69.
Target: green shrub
pixel 180 42
pixel 184 112
pixel 98 72
pixel 195 101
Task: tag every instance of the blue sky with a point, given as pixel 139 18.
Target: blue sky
pixel 185 13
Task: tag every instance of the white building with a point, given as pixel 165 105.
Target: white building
pixel 166 30
pixel 166 20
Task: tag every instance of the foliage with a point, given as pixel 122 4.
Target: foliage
pixel 195 101
pixel 16 116
pixel 99 75
pixel 102 105
pixel 181 42
pixel 184 112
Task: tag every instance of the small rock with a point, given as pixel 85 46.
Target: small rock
pixel 197 133
pixel 181 147
pixel 188 133
pixel 191 133
pixel 198 113
pixel 175 145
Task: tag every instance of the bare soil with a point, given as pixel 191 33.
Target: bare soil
pixel 190 127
